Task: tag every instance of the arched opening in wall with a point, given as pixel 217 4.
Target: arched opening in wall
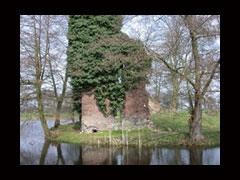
pixel 94 130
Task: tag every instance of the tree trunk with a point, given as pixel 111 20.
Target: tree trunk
pixel 57 120
pixel 196 118
pixel 174 99
pixel 61 98
pixel 41 112
pixel 38 68
pixel 58 114
pixel 80 121
pixel 72 115
pixel 195 122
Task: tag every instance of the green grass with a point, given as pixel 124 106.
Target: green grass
pixel 170 129
pixel 48 116
pixel 28 116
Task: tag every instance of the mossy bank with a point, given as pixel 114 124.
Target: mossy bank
pixel 170 129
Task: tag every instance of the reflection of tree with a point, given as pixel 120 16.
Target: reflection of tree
pixel 177 157
pixel 80 160
pixel 110 155
pixel 196 155
pixel 60 156
pixel 44 152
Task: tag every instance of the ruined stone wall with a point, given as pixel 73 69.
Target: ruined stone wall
pixel 136 110
pixel 154 107
pixel 92 117
pixel 136 113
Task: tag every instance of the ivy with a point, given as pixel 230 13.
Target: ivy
pixel 103 59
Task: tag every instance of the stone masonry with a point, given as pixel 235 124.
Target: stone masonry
pixel 93 119
pixel 136 111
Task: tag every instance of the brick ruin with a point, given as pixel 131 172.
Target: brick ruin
pixel 93 120
pixel 136 112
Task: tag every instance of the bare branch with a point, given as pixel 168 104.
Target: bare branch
pixel 210 78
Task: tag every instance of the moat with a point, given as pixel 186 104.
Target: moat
pixel 34 150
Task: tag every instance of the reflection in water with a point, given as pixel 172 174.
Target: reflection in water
pixel 93 155
pixel 34 149
pixel 196 155
pixel 44 152
pixel 79 161
pixel 60 156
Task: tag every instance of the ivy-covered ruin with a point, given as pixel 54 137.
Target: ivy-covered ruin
pixel 108 73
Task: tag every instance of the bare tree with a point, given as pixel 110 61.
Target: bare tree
pixel 58 44
pixel 203 68
pixel 42 47
pixel 34 42
pixel 197 62
pixel 172 43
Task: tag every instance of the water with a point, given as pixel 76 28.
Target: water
pixel 35 150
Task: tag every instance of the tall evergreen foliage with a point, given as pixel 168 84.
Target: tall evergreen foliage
pixel 104 60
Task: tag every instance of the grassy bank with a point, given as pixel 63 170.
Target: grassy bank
pixel 170 129
pixel 49 116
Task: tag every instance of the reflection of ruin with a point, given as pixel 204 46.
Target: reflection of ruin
pixel 104 155
pixel 93 155
pixel 137 156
